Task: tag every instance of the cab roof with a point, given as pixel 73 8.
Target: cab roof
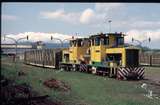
pixel 79 39
pixel 98 35
pixel 116 34
pixel 108 34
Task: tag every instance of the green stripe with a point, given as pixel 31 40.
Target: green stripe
pixel 97 64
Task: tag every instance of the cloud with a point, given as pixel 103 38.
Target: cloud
pixel 98 16
pixel 87 16
pixel 60 14
pixel 145 24
pixel 99 13
pixel 54 15
pixel 45 37
pixel 37 36
pixel 9 17
pixel 105 7
pixel 142 35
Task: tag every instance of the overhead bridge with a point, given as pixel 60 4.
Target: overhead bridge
pixel 12 46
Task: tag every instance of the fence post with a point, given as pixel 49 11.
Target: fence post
pixel 150 60
pixel 43 53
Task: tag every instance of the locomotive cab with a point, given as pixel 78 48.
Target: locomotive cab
pixel 98 46
pixel 116 40
pixel 77 49
pixel 115 51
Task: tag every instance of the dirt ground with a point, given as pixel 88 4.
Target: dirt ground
pixel 14 94
pixel 155 78
pixel 152 79
pixel 57 84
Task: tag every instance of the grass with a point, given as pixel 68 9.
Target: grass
pixel 153 71
pixel 86 89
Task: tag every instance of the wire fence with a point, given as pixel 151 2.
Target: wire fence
pixel 150 59
pixel 44 58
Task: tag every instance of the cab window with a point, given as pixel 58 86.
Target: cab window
pixel 120 40
pixel 89 43
pixel 79 43
pixel 92 42
pixel 74 42
pixel 71 43
pixel 105 41
pixel 97 41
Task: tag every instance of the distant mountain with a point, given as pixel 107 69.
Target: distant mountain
pixel 56 45
pixel 49 45
pixel 26 42
pixel 66 45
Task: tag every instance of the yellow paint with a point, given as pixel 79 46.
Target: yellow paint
pixel 77 53
pixel 118 51
pixel 112 40
pixel 64 51
pixel 96 56
pixel 98 53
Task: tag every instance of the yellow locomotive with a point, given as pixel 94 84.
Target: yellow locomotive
pixel 104 54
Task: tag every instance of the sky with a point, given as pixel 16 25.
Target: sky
pixel 63 20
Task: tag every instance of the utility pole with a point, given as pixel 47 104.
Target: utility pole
pixel 58 39
pixel 61 41
pixel 109 21
pixel 140 44
pixel 16 44
pixel 77 34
